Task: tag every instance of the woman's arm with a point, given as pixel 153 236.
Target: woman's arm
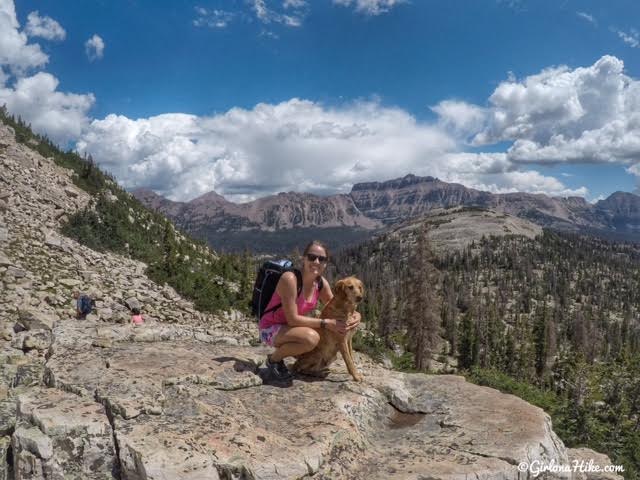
pixel 287 288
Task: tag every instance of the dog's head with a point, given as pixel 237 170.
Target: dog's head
pixel 350 289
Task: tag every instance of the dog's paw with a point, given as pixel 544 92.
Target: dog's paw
pixel 358 377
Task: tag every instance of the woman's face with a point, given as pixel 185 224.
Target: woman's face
pixel 315 260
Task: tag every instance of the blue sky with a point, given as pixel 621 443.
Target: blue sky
pixel 251 97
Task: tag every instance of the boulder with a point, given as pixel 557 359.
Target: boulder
pixel 33 441
pixel 7 417
pixel 71 192
pixel 6 472
pixel 69 282
pixel 16 272
pixel 62 436
pixel 51 239
pixel 29 374
pixel 6 332
pixel 105 314
pixel 36 320
pixel 32 339
pixel 133 303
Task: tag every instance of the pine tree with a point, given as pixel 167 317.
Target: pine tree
pixel 423 308
pixel 449 313
pixel 540 337
pixel 386 324
pixel 466 341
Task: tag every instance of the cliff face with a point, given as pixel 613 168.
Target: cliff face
pixel 290 210
pixel 277 212
pixel 413 196
pixel 622 210
pixel 180 397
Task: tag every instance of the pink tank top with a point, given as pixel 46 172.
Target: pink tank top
pixel 277 316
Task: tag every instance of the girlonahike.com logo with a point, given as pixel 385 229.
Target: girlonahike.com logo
pixel 538 467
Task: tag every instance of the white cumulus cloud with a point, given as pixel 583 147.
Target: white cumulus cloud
pixel 45 27
pixel 460 117
pixel 631 38
pixel 295 145
pixel 582 115
pixel 294 3
pixel 35 96
pixel 94 47
pixel 15 52
pixel 62 116
pixel 267 15
pixel 370 7
pixel 212 18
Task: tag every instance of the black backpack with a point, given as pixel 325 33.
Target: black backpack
pixel 86 305
pixel 266 282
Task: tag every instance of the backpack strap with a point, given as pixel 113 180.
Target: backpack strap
pixel 298 275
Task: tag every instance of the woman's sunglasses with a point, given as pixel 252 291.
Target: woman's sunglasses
pixel 313 257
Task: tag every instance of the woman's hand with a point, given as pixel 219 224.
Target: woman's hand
pixel 341 327
pixel 353 321
pixel 336 326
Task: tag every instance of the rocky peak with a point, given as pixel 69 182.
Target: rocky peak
pixel 152 200
pixel 147 194
pixel 396 183
pixel 577 202
pixel 622 203
pixel 209 198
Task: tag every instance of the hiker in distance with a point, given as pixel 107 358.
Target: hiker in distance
pixel 84 304
pixel 287 326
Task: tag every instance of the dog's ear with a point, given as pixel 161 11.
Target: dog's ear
pixel 339 288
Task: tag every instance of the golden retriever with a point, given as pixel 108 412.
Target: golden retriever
pixel 348 292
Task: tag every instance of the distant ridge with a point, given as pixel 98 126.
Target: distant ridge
pixel 373 206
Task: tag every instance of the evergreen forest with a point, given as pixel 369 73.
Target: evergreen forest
pixel 553 320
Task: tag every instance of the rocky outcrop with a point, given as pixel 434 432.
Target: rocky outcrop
pixel 455 228
pixel 181 397
pixel 183 404
pixel 60 435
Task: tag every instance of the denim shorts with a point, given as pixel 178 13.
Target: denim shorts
pixel 268 334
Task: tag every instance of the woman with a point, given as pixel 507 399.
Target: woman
pixel 288 328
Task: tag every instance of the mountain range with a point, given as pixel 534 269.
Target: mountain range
pixel 277 222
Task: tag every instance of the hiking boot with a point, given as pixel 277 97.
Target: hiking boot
pixel 277 371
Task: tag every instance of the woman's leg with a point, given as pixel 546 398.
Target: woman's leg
pixel 293 341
